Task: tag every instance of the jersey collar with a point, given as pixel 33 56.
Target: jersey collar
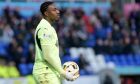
pixel 46 22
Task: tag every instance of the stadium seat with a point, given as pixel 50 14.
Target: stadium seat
pixel 130 59
pixel 115 59
pixel 66 58
pixel 123 61
pixel 30 67
pixel 108 58
pixel 23 68
pixel 111 65
pixel 90 54
pixel 101 62
pixel 2 49
pixel 137 59
pixel 74 52
pixel 81 50
pixel 95 67
pixel 90 41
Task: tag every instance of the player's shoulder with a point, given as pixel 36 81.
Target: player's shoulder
pixel 44 23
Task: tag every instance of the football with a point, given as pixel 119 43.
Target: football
pixel 71 66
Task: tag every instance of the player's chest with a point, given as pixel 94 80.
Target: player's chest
pixel 54 37
pixel 54 34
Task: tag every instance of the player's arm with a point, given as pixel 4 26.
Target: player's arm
pixel 48 48
pixel 49 54
pixel 52 58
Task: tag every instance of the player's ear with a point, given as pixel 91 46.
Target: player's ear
pixel 46 13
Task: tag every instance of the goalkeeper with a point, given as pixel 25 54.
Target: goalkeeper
pixel 47 67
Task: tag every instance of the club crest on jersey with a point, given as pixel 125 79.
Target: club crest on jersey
pixel 46 36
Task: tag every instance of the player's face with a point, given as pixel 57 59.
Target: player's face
pixel 53 13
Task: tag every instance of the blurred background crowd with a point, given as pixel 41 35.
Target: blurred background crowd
pixel 108 33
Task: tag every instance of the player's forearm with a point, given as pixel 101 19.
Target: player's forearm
pixel 52 58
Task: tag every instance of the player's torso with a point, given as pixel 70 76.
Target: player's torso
pixel 39 61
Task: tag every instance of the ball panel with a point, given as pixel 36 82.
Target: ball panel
pixel 71 66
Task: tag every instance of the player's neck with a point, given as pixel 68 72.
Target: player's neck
pixel 49 20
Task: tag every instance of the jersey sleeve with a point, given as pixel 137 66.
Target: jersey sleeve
pixel 46 37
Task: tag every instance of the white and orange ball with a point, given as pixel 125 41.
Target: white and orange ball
pixel 71 66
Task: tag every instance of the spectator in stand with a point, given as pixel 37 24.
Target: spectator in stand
pixel 136 46
pixel 12 70
pixel 3 68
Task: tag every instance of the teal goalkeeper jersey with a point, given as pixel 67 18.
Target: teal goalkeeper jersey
pixel 45 35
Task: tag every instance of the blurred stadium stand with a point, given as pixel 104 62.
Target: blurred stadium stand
pixel 102 36
pixel 55 0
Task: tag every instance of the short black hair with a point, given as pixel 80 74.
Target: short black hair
pixel 44 6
